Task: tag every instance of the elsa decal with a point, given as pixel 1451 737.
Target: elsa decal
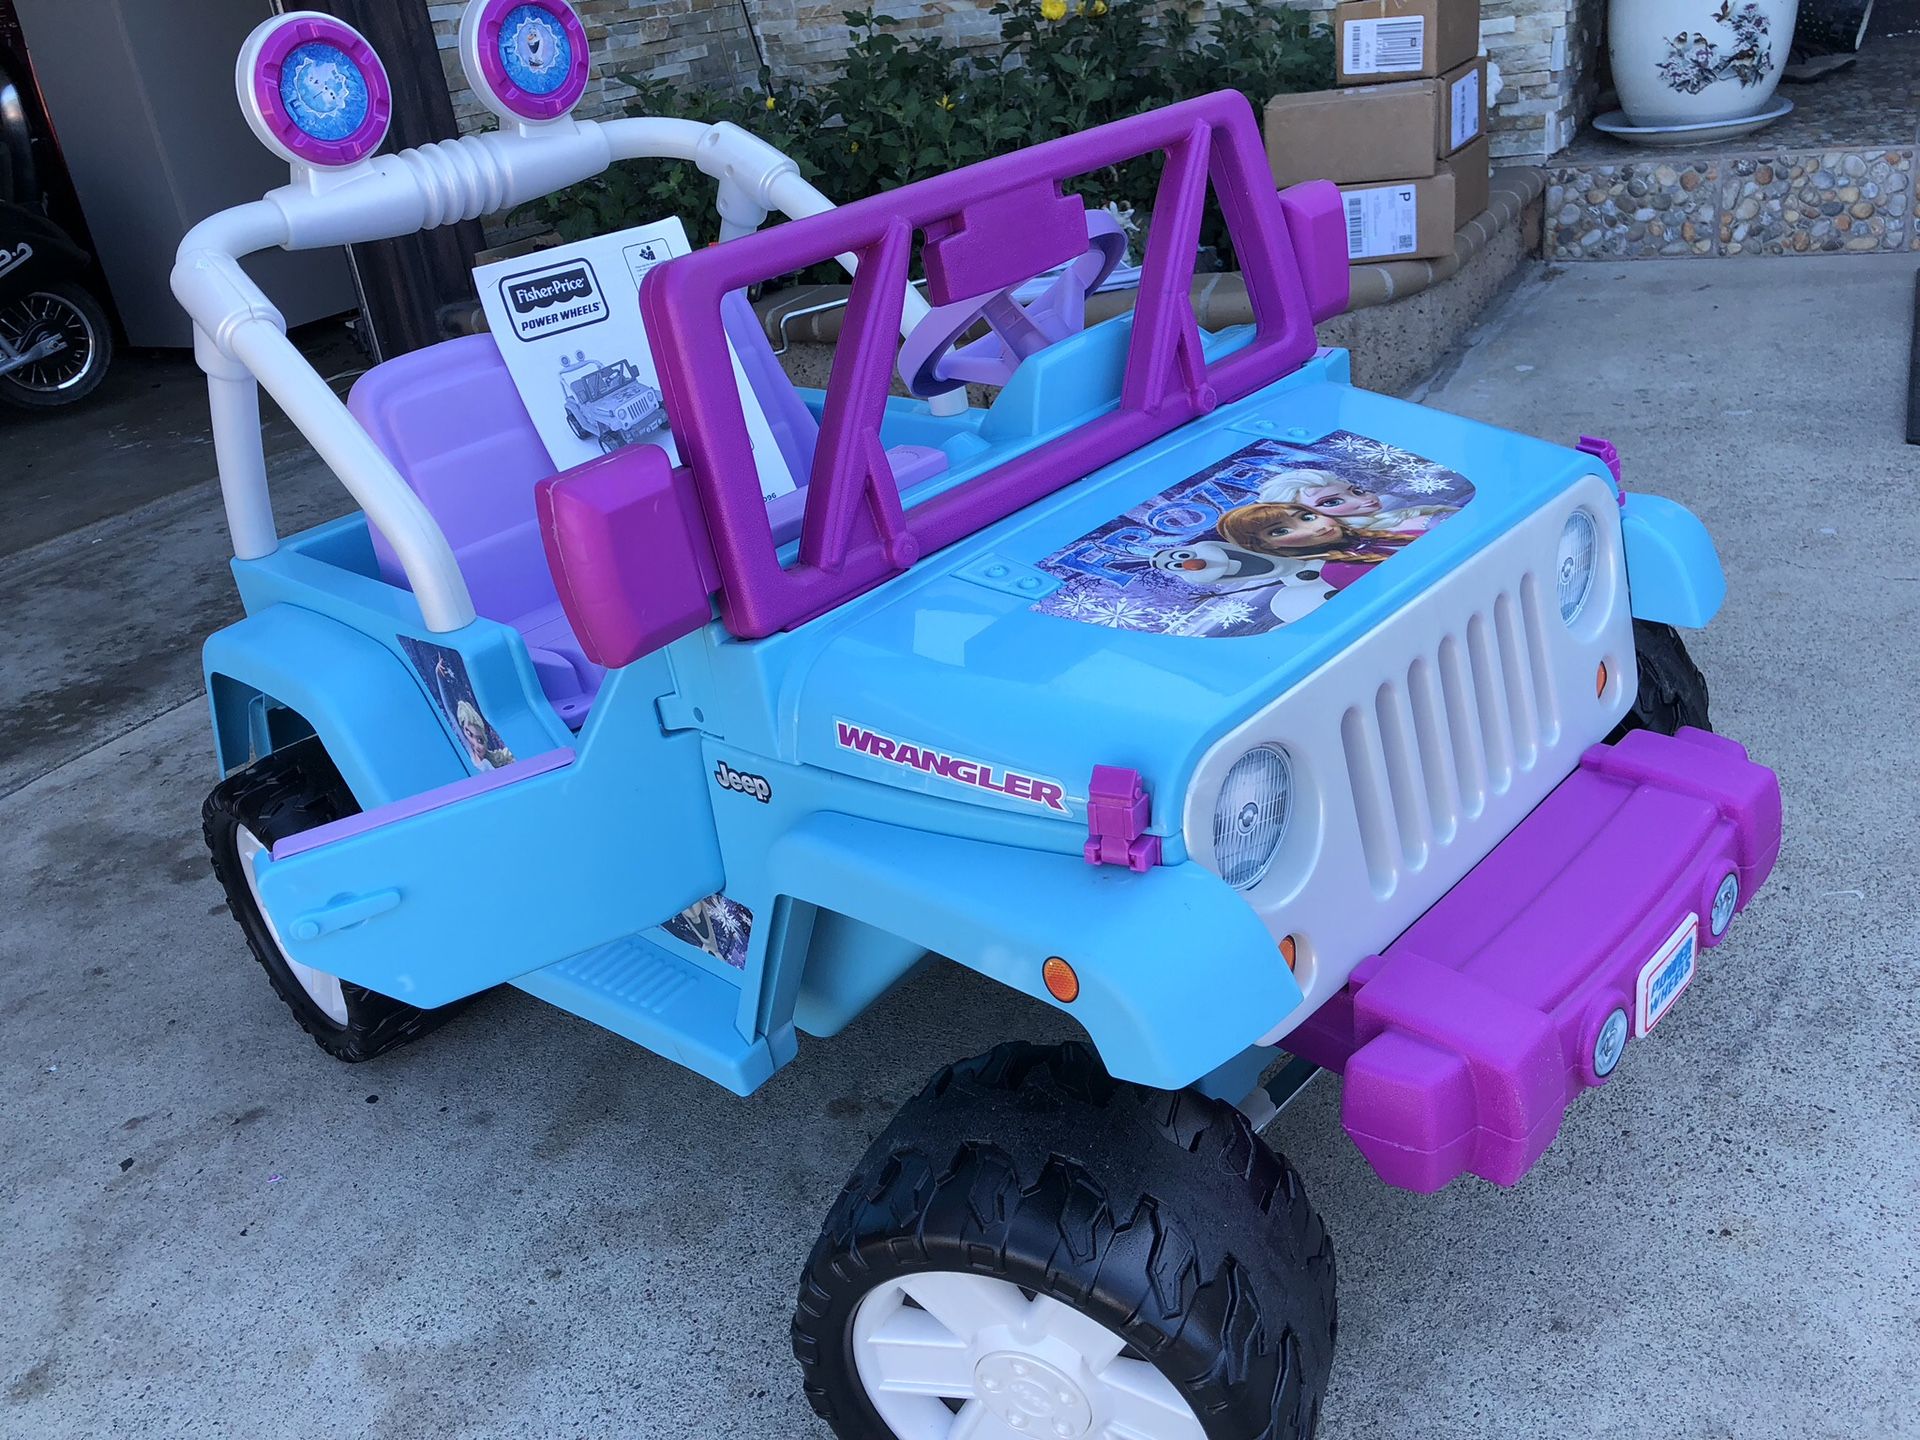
pixel 1350 502
pixel 445 672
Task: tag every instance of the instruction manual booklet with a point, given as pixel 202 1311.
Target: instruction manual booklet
pixel 567 321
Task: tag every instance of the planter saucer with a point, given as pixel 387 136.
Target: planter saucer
pixel 1615 123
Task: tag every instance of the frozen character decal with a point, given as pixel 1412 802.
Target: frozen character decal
pixel 1255 541
pixel 482 742
pixel 445 672
pixel 324 91
pixel 717 925
pixel 1351 502
pixel 1302 533
pixel 535 50
pixel 1288 586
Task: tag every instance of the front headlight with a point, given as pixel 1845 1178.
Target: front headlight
pixel 1574 565
pixel 1250 817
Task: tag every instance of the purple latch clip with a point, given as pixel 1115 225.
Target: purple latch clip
pixel 1608 455
pixel 1118 808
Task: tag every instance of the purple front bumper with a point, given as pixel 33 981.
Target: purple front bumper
pixel 1463 1044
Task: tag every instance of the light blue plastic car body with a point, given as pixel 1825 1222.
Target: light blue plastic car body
pixel 748 768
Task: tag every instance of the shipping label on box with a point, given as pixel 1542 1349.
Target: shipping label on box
pixel 1464 109
pixel 1385 47
pixel 1376 40
pixel 1382 221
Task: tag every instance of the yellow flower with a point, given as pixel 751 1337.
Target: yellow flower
pixel 1099 7
pixel 854 147
pixel 1054 9
pixel 769 102
pixel 946 102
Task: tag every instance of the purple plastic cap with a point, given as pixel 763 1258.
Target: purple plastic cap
pixel 1118 809
pixel 533 56
pixel 321 91
pixel 1605 451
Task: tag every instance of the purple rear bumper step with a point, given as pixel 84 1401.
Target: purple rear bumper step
pixel 1465 1042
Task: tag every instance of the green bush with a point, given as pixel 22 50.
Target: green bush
pixel 904 107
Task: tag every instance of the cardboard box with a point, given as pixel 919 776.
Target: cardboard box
pixel 1379 40
pixel 1365 132
pixel 1416 219
pixel 1462 106
pixel 1396 131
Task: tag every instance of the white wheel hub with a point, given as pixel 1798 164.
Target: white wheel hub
pixel 323 989
pixel 950 1356
pixel 1026 1393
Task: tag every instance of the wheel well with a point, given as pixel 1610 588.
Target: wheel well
pixel 250 724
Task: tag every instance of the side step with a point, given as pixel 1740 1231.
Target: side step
pixel 672 1006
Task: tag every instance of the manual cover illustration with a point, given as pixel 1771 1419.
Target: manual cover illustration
pixel 568 324
pixel 1263 537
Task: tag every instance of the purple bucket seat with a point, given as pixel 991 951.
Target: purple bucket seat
pixel 451 421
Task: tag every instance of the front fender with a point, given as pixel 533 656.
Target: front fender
pixel 366 706
pixel 1673 572
pixel 1177 973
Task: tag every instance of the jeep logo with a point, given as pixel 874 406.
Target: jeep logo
pixel 728 778
pixel 553 299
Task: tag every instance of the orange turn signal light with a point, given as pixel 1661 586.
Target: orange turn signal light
pixel 1600 680
pixel 1061 982
pixel 1287 950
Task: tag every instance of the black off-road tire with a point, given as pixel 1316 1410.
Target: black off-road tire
pixel 294 789
pixel 1673 692
pixel 1161 1215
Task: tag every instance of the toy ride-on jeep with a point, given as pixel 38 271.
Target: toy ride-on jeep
pixel 1237 713
pixel 610 404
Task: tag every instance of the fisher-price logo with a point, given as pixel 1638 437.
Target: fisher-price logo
pixel 554 299
pixel 957 768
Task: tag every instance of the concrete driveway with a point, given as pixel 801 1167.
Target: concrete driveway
pixel 526 1227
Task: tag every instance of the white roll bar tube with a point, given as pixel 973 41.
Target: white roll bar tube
pixel 240 338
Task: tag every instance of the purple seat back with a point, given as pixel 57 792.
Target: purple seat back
pixel 451 421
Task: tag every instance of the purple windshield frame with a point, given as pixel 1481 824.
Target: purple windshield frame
pixel 979 226
pixel 523 103
pixel 329 154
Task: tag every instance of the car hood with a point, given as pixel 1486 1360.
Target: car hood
pixel 979 676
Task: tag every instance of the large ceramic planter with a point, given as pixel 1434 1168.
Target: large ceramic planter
pixel 1694 62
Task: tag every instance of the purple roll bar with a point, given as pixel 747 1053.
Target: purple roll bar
pixel 987 226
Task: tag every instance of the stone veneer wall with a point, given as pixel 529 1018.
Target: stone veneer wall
pixel 719 43
pixel 1545 49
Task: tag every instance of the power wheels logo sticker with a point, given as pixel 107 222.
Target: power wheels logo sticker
pixel 1033 789
pixel 728 778
pixel 554 299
